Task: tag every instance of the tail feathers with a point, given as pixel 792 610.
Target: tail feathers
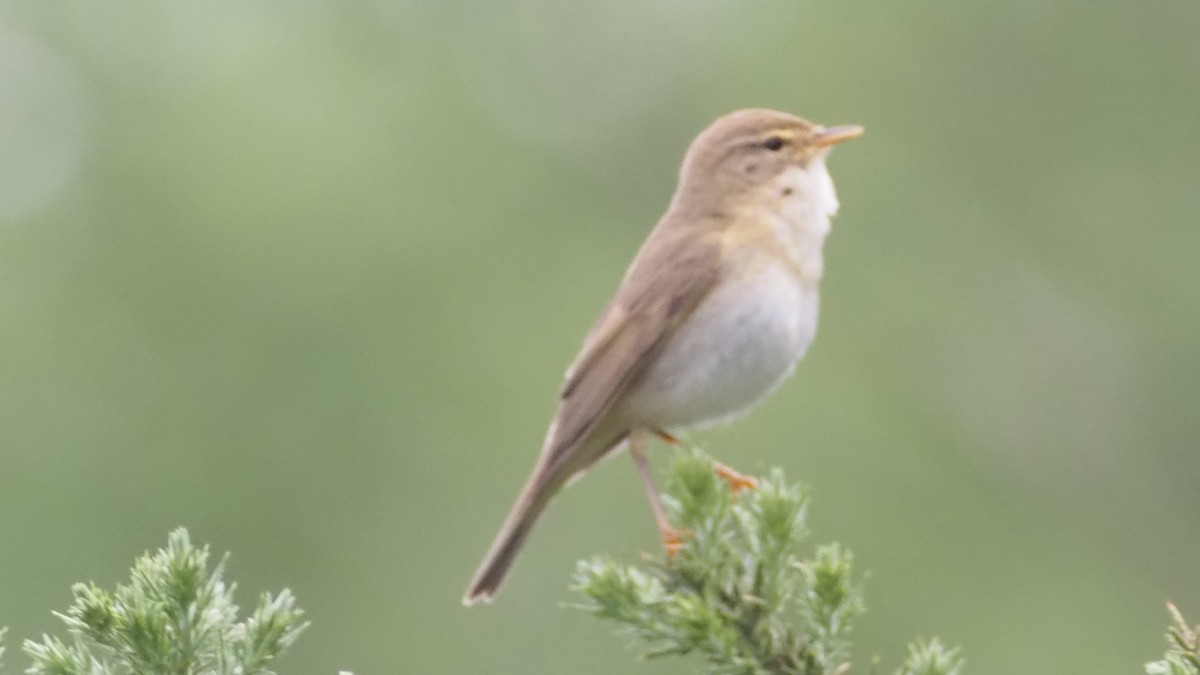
pixel 554 469
pixel 508 543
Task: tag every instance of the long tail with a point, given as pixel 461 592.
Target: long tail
pixel 529 506
pixel 547 479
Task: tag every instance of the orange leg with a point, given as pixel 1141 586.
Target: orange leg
pixel 737 481
pixel 672 538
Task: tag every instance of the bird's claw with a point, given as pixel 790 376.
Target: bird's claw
pixel 737 481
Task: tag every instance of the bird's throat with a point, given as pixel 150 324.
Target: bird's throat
pixel 796 209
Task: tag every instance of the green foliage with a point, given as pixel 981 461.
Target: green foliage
pixel 931 658
pixel 1183 656
pixel 176 616
pixel 740 593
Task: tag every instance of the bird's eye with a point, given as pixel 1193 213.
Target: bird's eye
pixel 773 143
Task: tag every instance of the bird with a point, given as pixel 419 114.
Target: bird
pixel 713 313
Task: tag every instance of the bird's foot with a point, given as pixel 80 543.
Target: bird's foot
pixel 737 481
pixel 673 539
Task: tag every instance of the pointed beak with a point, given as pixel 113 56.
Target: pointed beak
pixel 834 135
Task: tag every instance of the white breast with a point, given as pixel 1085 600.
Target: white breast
pixel 748 335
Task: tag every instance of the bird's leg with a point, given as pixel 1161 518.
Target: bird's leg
pixel 672 539
pixel 737 481
pixel 666 436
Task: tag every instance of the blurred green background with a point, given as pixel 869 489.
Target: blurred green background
pixel 304 277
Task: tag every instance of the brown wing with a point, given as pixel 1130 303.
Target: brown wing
pixel 631 330
pixel 651 302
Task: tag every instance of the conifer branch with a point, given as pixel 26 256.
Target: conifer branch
pixel 741 592
pixel 175 617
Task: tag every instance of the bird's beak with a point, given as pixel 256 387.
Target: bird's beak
pixel 825 138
